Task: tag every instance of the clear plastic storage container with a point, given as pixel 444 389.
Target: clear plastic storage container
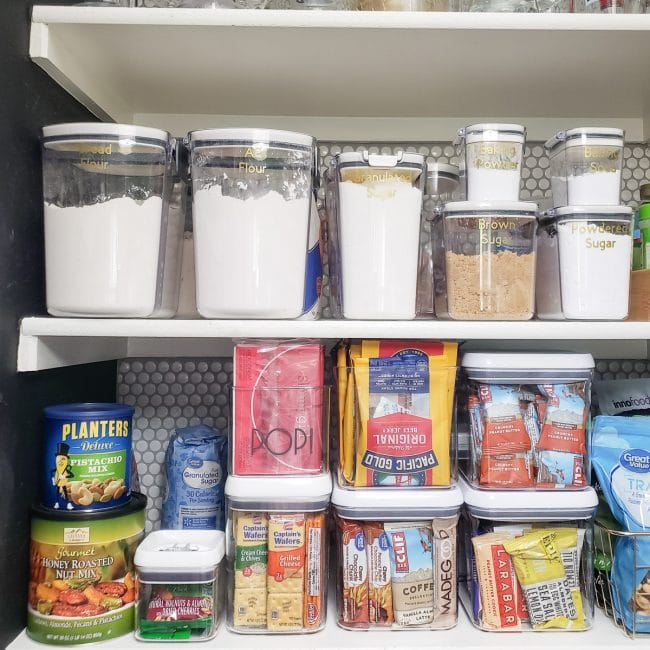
pixel 396 558
pixel 379 213
pixel 525 561
pixel 586 166
pixel 277 553
pixel 112 245
pixel 180 589
pixel 252 203
pixel 492 156
pixel 490 259
pixel 527 414
pixel 584 256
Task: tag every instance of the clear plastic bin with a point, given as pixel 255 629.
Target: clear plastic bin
pixel 527 560
pixel 492 155
pixel 395 402
pixel 251 205
pixel 583 262
pixel 112 245
pixel 180 591
pixel 277 554
pixel 379 212
pixel 615 6
pixel 396 558
pixel 586 166
pixel 527 414
pixel 490 259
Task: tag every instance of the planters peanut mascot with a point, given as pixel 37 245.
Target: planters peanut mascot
pixel 61 473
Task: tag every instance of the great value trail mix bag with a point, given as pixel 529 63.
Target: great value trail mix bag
pixel 395 409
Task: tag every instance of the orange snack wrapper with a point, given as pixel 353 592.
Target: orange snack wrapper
pixel 315 576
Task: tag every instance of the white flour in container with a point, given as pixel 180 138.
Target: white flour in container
pixel 102 259
pixel 379 229
pixel 250 254
pixel 594 269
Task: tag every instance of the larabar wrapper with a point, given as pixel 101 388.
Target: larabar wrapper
pixel 380 596
pixel 315 575
pixel 354 575
pixel 540 571
pixel 497 582
pixel 286 568
pixel 444 571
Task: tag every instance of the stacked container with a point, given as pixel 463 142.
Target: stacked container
pixel 585 240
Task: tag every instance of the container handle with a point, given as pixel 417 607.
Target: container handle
pixel 383 160
pixel 460 137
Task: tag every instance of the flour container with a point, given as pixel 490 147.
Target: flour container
pixel 252 202
pixel 490 259
pixel 493 156
pixel 379 212
pixel 585 252
pixel 396 558
pixel 112 246
pixel 586 166
pixel 277 550
pixel 526 560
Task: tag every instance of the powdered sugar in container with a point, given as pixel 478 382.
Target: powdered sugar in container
pixel 493 156
pixel 527 415
pixel 112 245
pixel 583 262
pixel 396 558
pixel 379 212
pixel 526 560
pixel 586 166
pixel 252 203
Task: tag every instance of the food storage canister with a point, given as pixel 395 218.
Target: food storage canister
pixel 87 462
pixel 525 561
pixel 112 245
pixel 441 186
pixel 81 579
pixel 527 414
pixel 586 166
pixel 396 558
pixel 379 212
pixel 251 207
pixel 490 259
pixel 586 251
pixel 492 156
pixel 276 546
pixel 180 590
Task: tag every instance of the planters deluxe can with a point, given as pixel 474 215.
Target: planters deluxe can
pixel 87 463
pixel 81 574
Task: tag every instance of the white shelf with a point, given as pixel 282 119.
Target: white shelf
pixel 55 342
pixel 603 635
pixel 349 75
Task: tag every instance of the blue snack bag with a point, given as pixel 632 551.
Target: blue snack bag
pixel 195 464
pixel 631 582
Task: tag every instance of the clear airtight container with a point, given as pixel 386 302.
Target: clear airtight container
pixel 526 560
pixel 586 166
pixel 493 156
pixel 112 245
pixel 490 259
pixel 527 414
pixel 583 262
pixel 379 212
pixel 396 558
pixel 276 546
pixel 180 591
pixel 252 202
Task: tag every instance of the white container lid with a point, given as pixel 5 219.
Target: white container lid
pixel 215 136
pixel 589 211
pixel 585 133
pixel 529 505
pixel 88 130
pixel 365 159
pixel 181 551
pixel 436 168
pixel 396 504
pixel 495 126
pixel 491 131
pixel 461 208
pixel 527 366
pixel 279 493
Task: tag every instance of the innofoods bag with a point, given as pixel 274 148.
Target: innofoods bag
pixel 395 413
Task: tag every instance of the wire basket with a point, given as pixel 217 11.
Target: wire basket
pixel 622 580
